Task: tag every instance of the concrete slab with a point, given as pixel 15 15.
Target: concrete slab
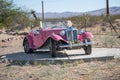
pixel 65 55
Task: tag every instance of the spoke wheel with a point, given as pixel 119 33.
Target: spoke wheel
pixel 53 48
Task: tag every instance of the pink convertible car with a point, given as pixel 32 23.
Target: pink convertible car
pixel 57 35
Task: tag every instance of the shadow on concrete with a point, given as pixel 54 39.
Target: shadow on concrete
pixel 39 55
pixel 44 57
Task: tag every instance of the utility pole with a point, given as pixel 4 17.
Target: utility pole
pixel 108 17
pixel 107 13
pixel 107 7
pixel 42 11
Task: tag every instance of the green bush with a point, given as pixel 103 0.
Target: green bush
pixel 12 17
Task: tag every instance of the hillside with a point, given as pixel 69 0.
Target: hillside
pixel 113 11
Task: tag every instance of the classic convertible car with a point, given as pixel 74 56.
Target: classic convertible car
pixel 57 35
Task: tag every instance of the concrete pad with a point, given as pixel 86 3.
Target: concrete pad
pixel 66 55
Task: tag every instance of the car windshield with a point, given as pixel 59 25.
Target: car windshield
pixel 54 24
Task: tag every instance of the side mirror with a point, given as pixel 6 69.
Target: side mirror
pixel 81 31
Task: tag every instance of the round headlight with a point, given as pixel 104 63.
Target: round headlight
pixel 81 31
pixel 62 33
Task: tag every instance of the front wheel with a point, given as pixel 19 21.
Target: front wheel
pixel 88 49
pixel 53 47
pixel 27 48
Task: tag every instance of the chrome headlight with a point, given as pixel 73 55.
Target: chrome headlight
pixel 81 31
pixel 62 33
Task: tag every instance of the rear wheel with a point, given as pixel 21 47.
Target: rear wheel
pixel 27 48
pixel 53 47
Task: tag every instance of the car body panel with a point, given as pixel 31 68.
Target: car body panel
pixel 85 35
pixel 30 40
pixel 37 40
pixel 57 37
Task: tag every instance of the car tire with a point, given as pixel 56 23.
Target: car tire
pixel 27 48
pixel 88 49
pixel 53 47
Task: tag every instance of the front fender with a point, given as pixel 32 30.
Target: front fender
pixel 30 41
pixel 56 37
pixel 81 37
pixel 89 34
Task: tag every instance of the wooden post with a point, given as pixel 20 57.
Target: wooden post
pixel 107 8
pixel 107 13
pixel 42 11
pixel 108 17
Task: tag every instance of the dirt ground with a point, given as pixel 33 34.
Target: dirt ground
pixel 13 45
pixel 79 70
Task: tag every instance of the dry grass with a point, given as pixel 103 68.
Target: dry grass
pixel 96 70
pixel 106 41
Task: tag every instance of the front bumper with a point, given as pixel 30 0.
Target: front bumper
pixel 76 45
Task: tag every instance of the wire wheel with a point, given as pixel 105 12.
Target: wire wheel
pixel 27 48
pixel 53 47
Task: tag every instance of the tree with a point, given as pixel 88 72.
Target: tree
pixel 4 9
pixel 12 17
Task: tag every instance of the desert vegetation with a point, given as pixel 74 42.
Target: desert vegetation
pixel 16 22
pixel 12 17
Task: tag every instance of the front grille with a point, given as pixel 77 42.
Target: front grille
pixel 75 36
pixel 72 36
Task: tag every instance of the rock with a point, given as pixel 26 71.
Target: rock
pixel 15 33
pixel 30 76
pixel 3 40
pixel 1 32
pixel 118 36
pixel 24 33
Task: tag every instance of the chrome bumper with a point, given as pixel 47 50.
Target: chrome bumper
pixel 76 45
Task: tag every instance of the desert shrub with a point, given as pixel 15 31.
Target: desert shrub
pixel 87 20
pixel 12 17
pixel 109 41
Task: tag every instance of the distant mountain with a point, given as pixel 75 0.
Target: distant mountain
pixel 59 15
pixel 113 11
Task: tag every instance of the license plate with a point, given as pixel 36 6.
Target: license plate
pixel 72 42
pixel 79 41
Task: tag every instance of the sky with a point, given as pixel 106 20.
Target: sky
pixel 65 5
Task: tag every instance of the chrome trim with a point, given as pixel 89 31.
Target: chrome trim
pixel 76 45
pixel 75 38
pixel 71 34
